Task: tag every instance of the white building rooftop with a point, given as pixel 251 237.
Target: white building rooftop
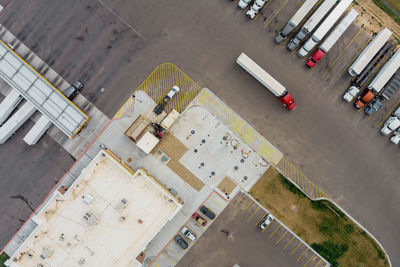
pixel 106 218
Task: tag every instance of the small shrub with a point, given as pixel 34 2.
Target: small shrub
pixel 348 229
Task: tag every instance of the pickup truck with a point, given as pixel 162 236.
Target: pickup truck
pixel 167 98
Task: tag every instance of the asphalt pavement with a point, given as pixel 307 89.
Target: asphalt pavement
pixel 115 44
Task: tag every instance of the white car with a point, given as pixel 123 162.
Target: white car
pixel 395 138
pixel 390 125
pixel 188 233
pixel 266 221
pixel 351 93
pixel 255 8
pixel 242 4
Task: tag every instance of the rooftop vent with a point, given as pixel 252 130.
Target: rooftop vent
pixel 90 218
pixel 121 205
pixel 87 199
pixel 82 261
pixel 46 252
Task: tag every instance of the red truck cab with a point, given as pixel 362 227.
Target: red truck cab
pixel 315 58
pixel 288 102
pixel 364 98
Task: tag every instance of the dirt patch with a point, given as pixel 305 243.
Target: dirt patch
pixel 318 223
pixel 372 19
pixel 171 146
pixel 185 174
pixel 227 186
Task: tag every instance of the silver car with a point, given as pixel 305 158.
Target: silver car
pixel 188 233
pixel 266 221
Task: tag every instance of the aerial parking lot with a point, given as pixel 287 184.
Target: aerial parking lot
pixel 112 46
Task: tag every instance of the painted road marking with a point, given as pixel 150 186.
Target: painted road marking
pixel 288 243
pixel 247 206
pixel 318 262
pixel 253 213
pixel 309 260
pixel 302 255
pixel 216 202
pixel 281 237
pixel 295 248
pixel 261 219
pixel 390 111
pixel 275 230
pixel 263 9
pixel 266 227
pixel 276 13
pixel 340 55
pixel 351 61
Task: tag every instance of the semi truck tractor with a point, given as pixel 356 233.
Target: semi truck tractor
pixel 324 28
pixel 267 80
pixel 369 52
pixel 311 23
pixel 333 37
pixel 380 80
pixel 295 20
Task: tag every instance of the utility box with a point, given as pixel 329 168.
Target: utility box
pixel 170 119
pixel 136 129
pixel 147 142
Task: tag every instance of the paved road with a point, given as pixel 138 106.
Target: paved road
pixel 26 176
pixel 332 144
pixel 234 238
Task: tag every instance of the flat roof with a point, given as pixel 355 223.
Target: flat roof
pixel 106 218
pixel 45 97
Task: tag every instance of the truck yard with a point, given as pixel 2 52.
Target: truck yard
pixel 340 150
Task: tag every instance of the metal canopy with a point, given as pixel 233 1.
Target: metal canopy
pixel 37 90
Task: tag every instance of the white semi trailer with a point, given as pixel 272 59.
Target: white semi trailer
pixel 324 28
pixel 369 52
pixel 295 20
pixel 16 121
pixel 311 23
pixel 9 104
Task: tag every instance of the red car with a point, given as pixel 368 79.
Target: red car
pixel 199 219
pixel 315 58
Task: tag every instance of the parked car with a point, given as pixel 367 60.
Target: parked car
pixel 188 233
pixel 242 4
pixel 265 221
pixel 364 99
pixel 351 93
pixel 390 125
pixel 181 242
pixel 199 219
pixel 206 211
pixel 374 106
pixel 255 8
pixel 73 90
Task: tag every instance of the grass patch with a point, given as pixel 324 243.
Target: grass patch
pixel 395 4
pixel 3 258
pixel 330 251
pixel 320 223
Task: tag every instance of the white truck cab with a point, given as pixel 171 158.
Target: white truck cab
pixel 390 125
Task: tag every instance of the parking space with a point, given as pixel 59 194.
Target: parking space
pixel 236 236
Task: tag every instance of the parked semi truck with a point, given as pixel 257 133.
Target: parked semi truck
pixel 267 80
pixel 324 28
pixel 376 63
pixel 392 124
pixel 295 20
pixel 377 84
pixel 311 23
pixel 369 52
pixel 333 37
pixel 9 104
pixel 392 86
